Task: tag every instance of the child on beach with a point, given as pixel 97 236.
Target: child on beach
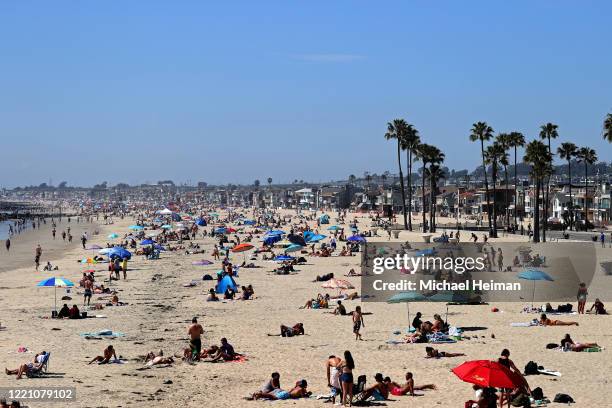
pixel 357 322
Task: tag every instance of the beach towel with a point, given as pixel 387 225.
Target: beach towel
pixel 525 324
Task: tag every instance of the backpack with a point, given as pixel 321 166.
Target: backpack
pixel 563 398
pixel 537 393
pixel 531 368
pixel 552 346
pixel 521 400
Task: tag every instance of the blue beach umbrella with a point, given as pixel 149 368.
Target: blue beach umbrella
pixel 201 222
pixel 315 238
pixel 334 228
pixel 119 252
pixel 55 283
pixel 534 275
pixel 147 242
pixel 136 227
pixel 113 236
pixel 166 226
pixel 356 238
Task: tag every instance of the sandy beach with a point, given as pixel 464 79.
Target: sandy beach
pixel 160 310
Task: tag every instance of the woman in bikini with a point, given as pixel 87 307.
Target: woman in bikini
pixel 433 353
pixel 346 378
pixel 545 321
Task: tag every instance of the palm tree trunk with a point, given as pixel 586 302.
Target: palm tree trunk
pixel 494 176
pixel 423 195
pixel 506 197
pixel 546 199
pixel 399 163
pixel 410 189
pixel 536 215
pixel 586 195
pixel 432 226
pixel 486 182
pixel 515 188
pixel 571 205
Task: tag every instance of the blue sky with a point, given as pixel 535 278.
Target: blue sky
pixel 237 90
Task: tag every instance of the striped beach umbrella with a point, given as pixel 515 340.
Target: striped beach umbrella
pixel 55 283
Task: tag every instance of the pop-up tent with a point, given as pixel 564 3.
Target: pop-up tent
pixel 226 282
pixel 324 219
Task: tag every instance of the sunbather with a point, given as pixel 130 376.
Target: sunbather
pixel 409 387
pixel 433 353
pixel 568 344
pixel 152 359
pixel 545 321
pixel 299 391
pixel 28 368
pixel 105 359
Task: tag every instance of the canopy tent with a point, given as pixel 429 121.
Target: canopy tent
pixel 296 239
pixel 324 219
pixel 165 211
pixel 225 283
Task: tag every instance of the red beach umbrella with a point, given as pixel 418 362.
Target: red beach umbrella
pixel 487 374
pixel 242 247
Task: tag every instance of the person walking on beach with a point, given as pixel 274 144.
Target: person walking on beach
pixel 581 296
pixel 195 341
pixel 37 256
pixel 83 240
pixel 357 322
pixel 7 244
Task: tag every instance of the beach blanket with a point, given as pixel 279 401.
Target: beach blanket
pixel 439 338
pixel 525 324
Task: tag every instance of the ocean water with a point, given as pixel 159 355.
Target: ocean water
pixel 4 229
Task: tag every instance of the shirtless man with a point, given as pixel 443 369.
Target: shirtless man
pixel 334 370
pixel 409 387
pixel 380 387
pixel 108 353
pixel 195 341
pixel 357 322
pixel 545 321
pixel 88 285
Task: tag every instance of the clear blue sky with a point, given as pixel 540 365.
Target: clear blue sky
pixel 231 91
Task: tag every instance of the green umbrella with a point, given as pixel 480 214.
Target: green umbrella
pixel 448 297
pixel 407 297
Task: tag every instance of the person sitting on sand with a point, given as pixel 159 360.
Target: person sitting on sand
pixel 225 352
pixel 438 324
pixel 229 294
pixel 270 387
pixel 105 359
pixel 416 322
pixel 599 307
pixel 353 273
pixel 212 296
pixel 379 390
pixel 340 309
pixel 420 335
pixel 568 344
pixel 433 353
pixel 408 388
pixel 74 312
pixel 286 331
pixel 64 312
pixel 545 321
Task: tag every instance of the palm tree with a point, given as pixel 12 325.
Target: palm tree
pixel 547 132
pixel 411 142
pixel 397 130
pixel 493 155
pixel 515 140
pixel 567 151
pixel 504 140
pixel 607 128
pixel 434 173
pixel 427 154
pixel 587 156
pixel 538 156
pixel 483 133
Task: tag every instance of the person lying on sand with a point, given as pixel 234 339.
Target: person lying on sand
pixel 433 353
pixel 105 359
pixel 408 388
pixel 152 359
pixel 568 344
pixel 299 391
pixel 286 331
pixel 545 321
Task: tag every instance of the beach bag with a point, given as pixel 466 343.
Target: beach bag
pixel 537 393
pixel 563 398
pixel 521 400
pixel 531 368
pixel 207 277
pixel 550 346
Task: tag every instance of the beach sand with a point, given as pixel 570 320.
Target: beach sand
pixel 160 311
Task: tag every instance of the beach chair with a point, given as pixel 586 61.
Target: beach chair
pixel 40 371
pixel 359 388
